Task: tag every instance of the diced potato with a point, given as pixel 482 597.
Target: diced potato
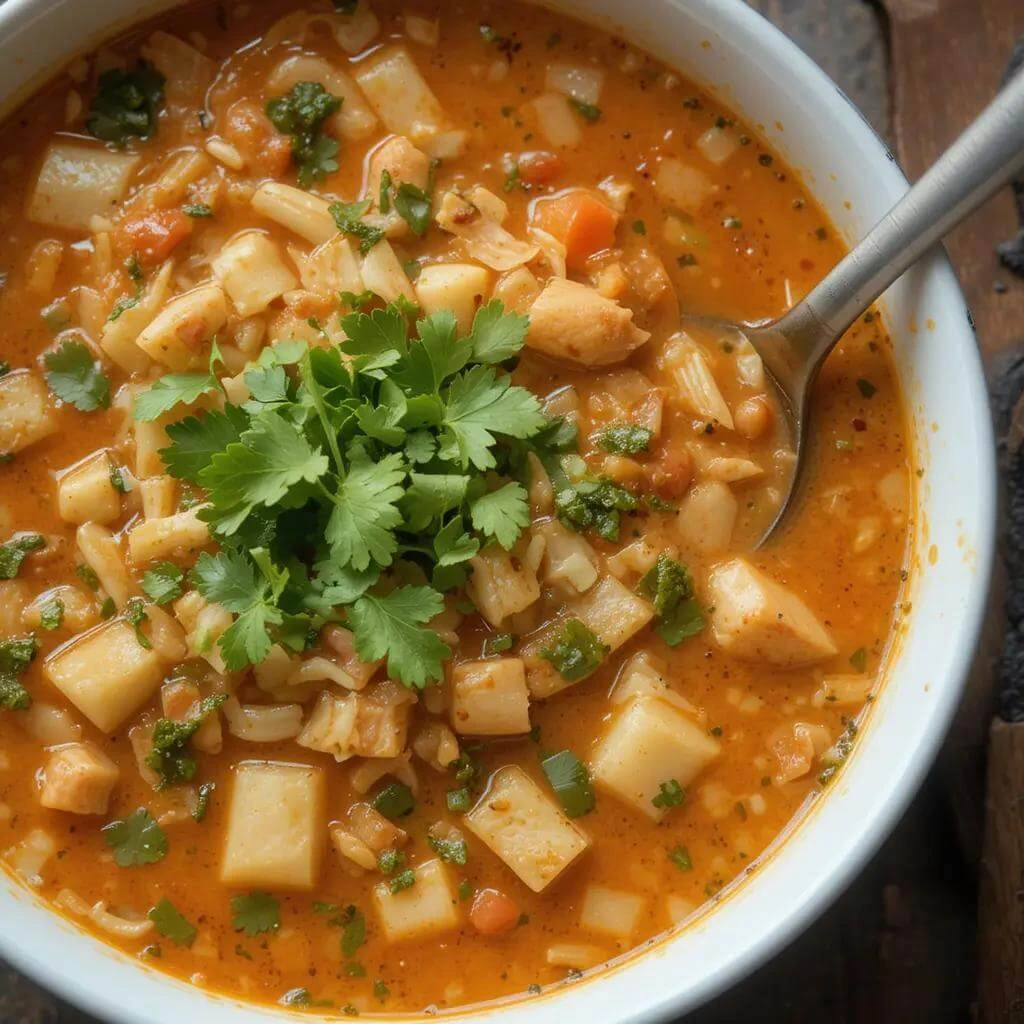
pixel 707 517
pixel 643 675
pixel 501 584
pixel 460 287
pixel 275 827
pixel 571 321
pixel 425 908
pixel 80 611
pixel 755 617
pixel 307 215
pixel 400 95
pixel 48 725
pixel 843 690
pixel 106 673
pixel 489 698
pixel 558 123
pixel 582 82
pixel 86 493
pixel 384 276
pixel 179 335
pixel 356 725
pixel 118 336
pixel 682 186
pixel 101 551
pixel 26 412
pixel 182 535
pixel 612 611
pixel 610 911
pixel 187 71
pixel 150 437
pixel 543 680
pixel 158 494
pixel 252 272
pixel 330 269
pixel 648 744
pixel 355 120
pixel 525 828
pixel 78 778
pixel 570 563
pixel 79 181
pixel 356 30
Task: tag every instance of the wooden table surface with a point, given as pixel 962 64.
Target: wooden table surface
pixel 899 946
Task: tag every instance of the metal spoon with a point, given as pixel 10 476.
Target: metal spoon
pixel 987 156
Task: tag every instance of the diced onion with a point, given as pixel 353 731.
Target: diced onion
pixel 718 144
pixel 422 30
pixel 263 723
pixel 580 81
pixel 29 857
pixel 892 491
pixel 366 775
pixel 682 186
pixel 610 911
pixel 557 122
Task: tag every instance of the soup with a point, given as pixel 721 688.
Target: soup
pixel 378 578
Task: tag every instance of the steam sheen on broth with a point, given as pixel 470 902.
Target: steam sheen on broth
pixel 379 626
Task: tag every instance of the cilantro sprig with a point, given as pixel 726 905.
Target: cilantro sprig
pixel 126 104
pixel 358 480
pixel 669 585
pixel 301 113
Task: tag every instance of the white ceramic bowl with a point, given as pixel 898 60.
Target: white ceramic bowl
pixel 771 83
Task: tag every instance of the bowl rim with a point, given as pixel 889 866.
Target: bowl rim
pixel 727 17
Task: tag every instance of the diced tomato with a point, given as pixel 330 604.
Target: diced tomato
pixel 540 167
pixel 493 913
pixel 265 149
pixel 582 222
pixel 670 472
pixel 153 235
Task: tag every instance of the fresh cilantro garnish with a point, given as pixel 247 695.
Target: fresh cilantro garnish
pixel 171 924
pixel 670 587
pixel 587 111
pixel 51 613
pixel 497 644
pixel 14 551
pixel 203 800
pixel 75 377
pixel 255 913
pixel 670 794
pixel 575 651
pixel 502 514
pixel 413 206
pixel 680 856
pixel 87 575
pixel 196 439
pixel 404 880
pixel 589 504
pixel 162 582
pixel 15 654
pixel 389 861
pixel 118 481
pixel 380 990
pixel 126 104
pixel 859 660
pixel 136 840
pixel 454 851
pixel 394 801
pixel 624 438
pixel 353 931
pixel 197 210
pixel 458 800
pixel 568 777
pixel 301 113
pixel 171 390
pixel 135 615
pixel 169 757
pixel 348 217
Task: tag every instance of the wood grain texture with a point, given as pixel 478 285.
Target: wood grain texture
pixel 1001 897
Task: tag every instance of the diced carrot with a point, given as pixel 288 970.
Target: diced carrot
pixel 153 235
pixel 493 912
pixel 581 221
pixel 540 167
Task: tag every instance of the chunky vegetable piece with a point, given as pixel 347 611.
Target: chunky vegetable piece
pixel 377 584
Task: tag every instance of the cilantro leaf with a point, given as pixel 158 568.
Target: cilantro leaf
pixel 497 335
pixel 135 615
pixel 391 626
pixel 15 654
pixel 478 405
pixel 255 913
pixel 196 439
pixel 669 586
pixel 624 438
pixel 51 613
pixel 171 390
pixel 301 113
pixel 571 782
pixel 126 104
pixel 670 794
pixel 348 218
pixel 75 377
pixel 353 933
pixel 14 551
pixel 592 505
pixel 454 851
pixel 430 495
pixel 502 514
pixel 136 840
pixel 171 924
pixel 13 696
pixel 170 738
pixel 575 651
pixel 588 111
pixel 413 206
pixel 162 582
pixel 379 337
pixel 360 527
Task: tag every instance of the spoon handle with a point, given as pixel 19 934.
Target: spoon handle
pixel 983 159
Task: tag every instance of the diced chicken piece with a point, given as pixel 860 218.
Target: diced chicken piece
pixel 356 725
pixel 707 517
pixel 79 181
pixel 86 492
pixel 26 413
pixel 275 827
pixel 570 563
pixel 307 215
pixel 180 334
pixel 252 272
pixel 460 287
pixel 182 535
pixel 489 698
pixel 650 743
pixel 570 321
pixel 755 617
pixel 106 673
pixel 612 611
pixel 78 778
pixel 501 584
pixel 402 160
pixel 525 828
pixel 427 907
